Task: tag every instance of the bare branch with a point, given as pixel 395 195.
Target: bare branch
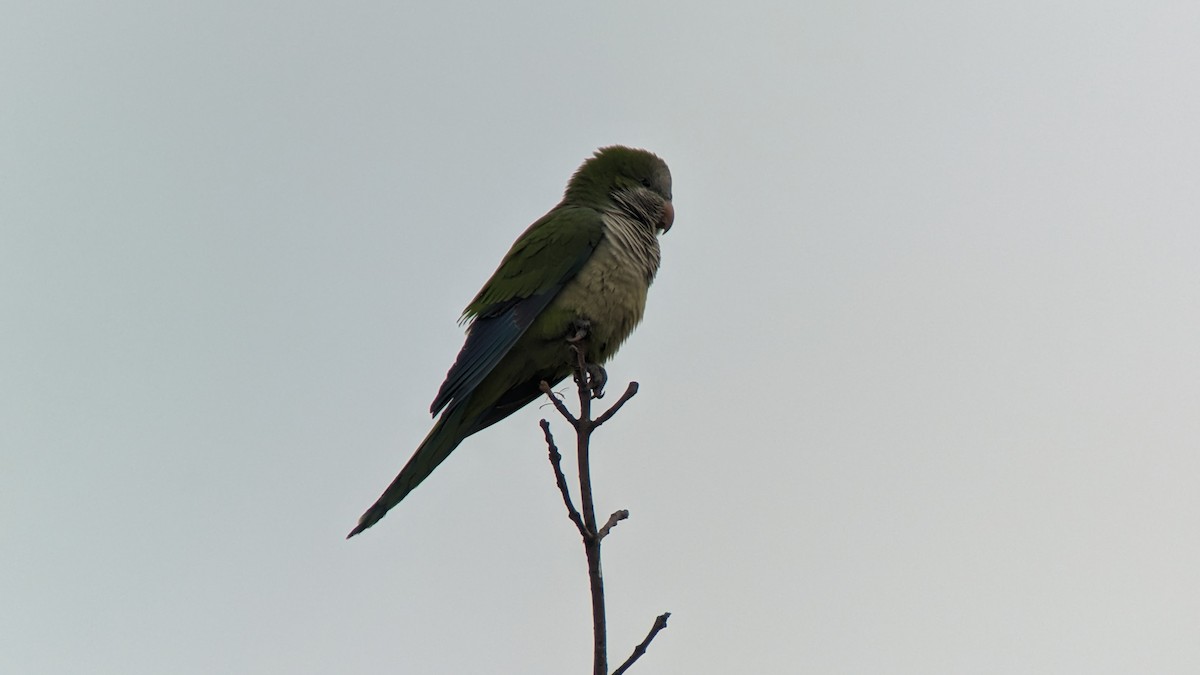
pixel 659 624
pixel 590 380
pixel 629 393
pixel 556 462
pixel 615 518
pixel 558 404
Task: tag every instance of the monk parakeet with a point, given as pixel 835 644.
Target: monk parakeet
pixel 581 271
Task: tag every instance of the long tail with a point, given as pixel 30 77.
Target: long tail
pixel 445 436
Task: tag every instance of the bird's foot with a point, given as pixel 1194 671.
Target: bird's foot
pixel 593 373
pixel 597 378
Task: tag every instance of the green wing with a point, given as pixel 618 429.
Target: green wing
pixel 544 258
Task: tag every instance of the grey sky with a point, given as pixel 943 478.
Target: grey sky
pixel 920 374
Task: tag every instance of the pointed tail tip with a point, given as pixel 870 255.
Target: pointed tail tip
pixel 368 519
pixel 363 523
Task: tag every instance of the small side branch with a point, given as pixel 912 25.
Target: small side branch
pixel 558 404
pixel 629 393
pixel 556 462
pixel 659 624
pixel 612 522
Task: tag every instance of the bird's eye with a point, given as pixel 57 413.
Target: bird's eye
pixel 646 182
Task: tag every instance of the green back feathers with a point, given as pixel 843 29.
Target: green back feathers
pixel 547 256
pixel 544 257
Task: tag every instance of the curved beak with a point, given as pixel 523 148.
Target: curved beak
pixel 668 217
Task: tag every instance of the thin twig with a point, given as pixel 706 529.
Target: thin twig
pixel 556 462
pixel 629 393
pixel 659 624
pixel 558 404
pixel 615 518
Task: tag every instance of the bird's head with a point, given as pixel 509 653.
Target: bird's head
pixel 638 180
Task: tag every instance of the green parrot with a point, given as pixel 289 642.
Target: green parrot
pixel 579 274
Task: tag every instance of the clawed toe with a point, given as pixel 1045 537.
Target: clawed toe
pixel 593 372
pixel 597 378
pixel 579 331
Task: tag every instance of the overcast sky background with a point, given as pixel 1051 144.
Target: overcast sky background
pixel 920 373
